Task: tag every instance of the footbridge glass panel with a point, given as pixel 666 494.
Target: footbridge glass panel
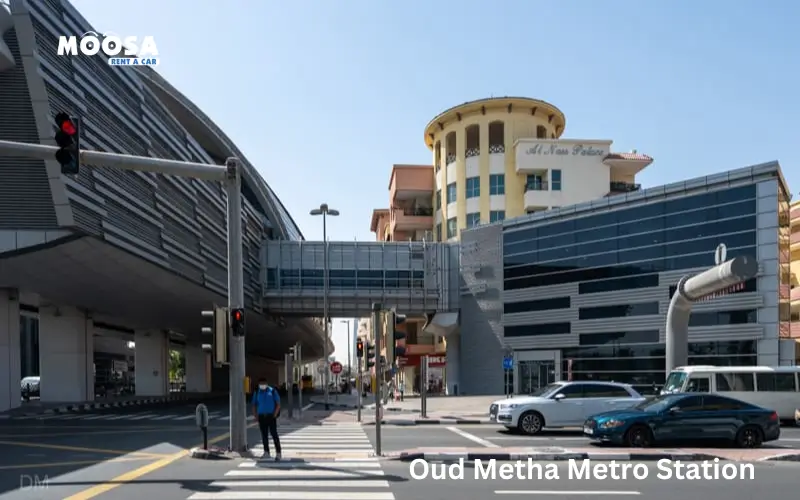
pixel 414 277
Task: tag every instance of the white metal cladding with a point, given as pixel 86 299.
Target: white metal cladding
pixel 414 277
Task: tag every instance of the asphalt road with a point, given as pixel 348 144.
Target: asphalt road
pixel 770 482
pixel 85 451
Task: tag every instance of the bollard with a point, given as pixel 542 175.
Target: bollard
pixel 201 418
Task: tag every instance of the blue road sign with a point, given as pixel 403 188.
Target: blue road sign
pixel 508 363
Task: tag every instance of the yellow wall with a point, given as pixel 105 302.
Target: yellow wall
pixel 517 124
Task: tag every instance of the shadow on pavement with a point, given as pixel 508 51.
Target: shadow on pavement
pixel 105 449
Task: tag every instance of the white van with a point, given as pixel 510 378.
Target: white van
pixel 775 388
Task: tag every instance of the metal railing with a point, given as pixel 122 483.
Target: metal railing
pixel 537 186
pixel 623 187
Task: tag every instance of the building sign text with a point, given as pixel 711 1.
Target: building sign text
pixel 564 150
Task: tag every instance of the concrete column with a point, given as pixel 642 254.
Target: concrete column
pixel 197 377
pixel 10 375
pixel 151 363
pixel 453 367
pixel 66 351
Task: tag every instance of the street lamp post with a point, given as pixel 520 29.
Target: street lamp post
pixel 324 210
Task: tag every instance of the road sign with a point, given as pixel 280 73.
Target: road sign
pixel 508 363
pixel 321 369
pixel 336 368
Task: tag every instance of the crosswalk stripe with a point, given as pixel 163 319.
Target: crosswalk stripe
pixel 284 483
pixel 294 446
pixel 292 465
pixel 266 472
pixel 164 417
pixel 291 495
pixel 142 417
pixel 186 417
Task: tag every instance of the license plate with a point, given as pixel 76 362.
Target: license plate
pixel 587 430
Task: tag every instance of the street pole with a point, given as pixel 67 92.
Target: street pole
pixel 287 370
pixel 359 385
pixel 299 353
pixel 230 175
pixel 324 210
pixel 238 410
pixel 376 332
pixel 423 386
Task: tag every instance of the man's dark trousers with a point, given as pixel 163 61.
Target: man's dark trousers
pixel 268 424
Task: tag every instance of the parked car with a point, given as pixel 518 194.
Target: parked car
pixel 563 404
pixel 688 418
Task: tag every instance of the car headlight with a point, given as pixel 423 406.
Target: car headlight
pixel 611 424
pixel 510 407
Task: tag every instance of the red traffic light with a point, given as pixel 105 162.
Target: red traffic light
pixel 237 315
pixel 65 124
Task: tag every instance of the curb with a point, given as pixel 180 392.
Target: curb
pixel 435 421
pixel 212 454
pixel 550 457
pixel 78 408
pixel 783 457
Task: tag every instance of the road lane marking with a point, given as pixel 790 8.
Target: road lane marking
pixel 306 407
pixel 142 417
pixel 293 495
pixel 135 474
pixel 327 473
pixel 525 438
pixel 472 437
pixel 74 462
pixel 81 449
pixel 565 493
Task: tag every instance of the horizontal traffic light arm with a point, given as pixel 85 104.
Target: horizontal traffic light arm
pixel 202 171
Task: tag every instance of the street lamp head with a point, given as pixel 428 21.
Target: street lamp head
pixel 316 211
pixel 333 212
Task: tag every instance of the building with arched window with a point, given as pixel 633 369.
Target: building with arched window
pixel 504 157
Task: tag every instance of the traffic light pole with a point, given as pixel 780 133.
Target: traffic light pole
pixel 378 389
pixel 230 175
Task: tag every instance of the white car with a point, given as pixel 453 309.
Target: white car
pixel 563 404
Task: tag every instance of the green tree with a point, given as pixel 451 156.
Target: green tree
pixel 177 366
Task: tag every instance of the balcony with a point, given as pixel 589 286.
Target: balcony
pixel 409 182
pixel 617 187
pixel 538 195
pixel 795 238
pixel 411 219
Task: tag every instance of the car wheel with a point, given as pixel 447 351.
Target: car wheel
pixel 530 423
pixel 749 436
pixel 639 436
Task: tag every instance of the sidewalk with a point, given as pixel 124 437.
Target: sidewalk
pixel 595 453
pixel 33 408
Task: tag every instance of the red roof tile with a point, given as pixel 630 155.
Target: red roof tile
pixel 627 156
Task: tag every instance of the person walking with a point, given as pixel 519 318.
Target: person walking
pixel 402 390
pixel 266 409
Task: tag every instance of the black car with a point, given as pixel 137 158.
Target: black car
pixel 686 418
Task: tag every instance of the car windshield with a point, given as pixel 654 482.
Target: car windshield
pixel 658 404
pixel 544 391
pixel 674 382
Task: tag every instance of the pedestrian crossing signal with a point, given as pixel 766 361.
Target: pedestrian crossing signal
pixel 370 356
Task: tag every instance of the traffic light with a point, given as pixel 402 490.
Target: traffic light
pixel 237 322
pixel 217 326
pixel 359 349
pixel 68 139
pixel 370 355
pixel 394 336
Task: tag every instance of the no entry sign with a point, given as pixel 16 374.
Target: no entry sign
pixel 336 368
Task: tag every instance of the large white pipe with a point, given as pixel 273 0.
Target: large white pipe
pixel 694 288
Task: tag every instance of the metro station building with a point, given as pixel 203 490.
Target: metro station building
pixel 109 259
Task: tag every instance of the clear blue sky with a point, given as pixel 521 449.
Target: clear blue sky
pixel 323 97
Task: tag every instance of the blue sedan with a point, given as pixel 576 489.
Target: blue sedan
pixel 685 418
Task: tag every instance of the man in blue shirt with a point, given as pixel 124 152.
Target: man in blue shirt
pixel 266 408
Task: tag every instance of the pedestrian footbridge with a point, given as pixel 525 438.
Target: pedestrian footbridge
pixel 414 277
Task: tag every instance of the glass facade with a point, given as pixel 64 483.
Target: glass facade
pixel 347 278
pixel 625 249
pixel 643 364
